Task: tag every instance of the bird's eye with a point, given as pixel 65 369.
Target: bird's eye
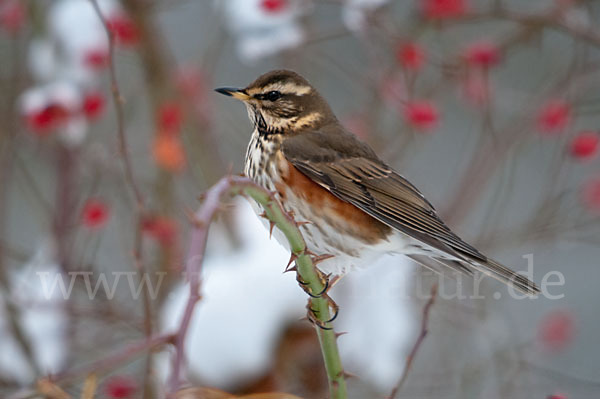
pixel 273 96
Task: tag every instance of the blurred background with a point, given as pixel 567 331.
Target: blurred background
pixel 491 108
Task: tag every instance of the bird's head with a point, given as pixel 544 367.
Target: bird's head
pixel 282 102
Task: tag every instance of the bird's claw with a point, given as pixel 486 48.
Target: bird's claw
pixel 305 286
pixel 311 315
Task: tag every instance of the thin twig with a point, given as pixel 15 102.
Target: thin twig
pixel 552 20
pixel 418 342
pixel 129 176
pixel 112 361
pixel 8 132
pixel 118 104
pixel 198 238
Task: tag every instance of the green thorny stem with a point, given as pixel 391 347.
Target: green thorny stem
pixel 308 273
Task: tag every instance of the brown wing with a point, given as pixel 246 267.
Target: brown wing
pixel 360 178
pixel 350 170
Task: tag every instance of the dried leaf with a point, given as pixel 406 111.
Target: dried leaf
pixel 203 393
pixel 89 387
pixel 270 395
pixel 51 390
pixel 209 393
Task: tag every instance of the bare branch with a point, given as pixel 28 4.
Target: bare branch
pixel 419 341
pixel 118 103
pixel 114 360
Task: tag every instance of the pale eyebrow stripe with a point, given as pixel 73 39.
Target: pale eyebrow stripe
pixel 292 88
pixel 285 88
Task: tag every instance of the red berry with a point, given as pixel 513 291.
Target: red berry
pixel 124 30
pixel 93 105
pixel 554 116
pixel 411 56
pixel 46 120
pixel 482 54
pixel 12 16
pixel 422 115
pixel 162 229
pixel 96 59
pixel 442 9
pixel 273 6
pixel 94 214
pixel 120 387
pixel 556 330
pixel 168 152
pixel 585 145
pixel 169 117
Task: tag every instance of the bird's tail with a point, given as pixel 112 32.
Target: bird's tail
pixel 502 273
pixel 486 266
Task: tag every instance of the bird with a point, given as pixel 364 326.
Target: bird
pixel 357 207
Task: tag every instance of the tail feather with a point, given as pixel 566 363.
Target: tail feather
pixel 505 275
pixel 434 263
pixel 486 266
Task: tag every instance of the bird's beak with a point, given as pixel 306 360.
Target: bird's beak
pixel 239 94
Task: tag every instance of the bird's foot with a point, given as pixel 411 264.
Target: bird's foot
pixel 313 314
pixel 323 278
pixel 306 287
pixel 333 306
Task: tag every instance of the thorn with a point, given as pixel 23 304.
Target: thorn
pixel 339 334
pixel 272 196
pixel 172 339
pixel 334 280
pixel 271 225
pixel 348 375
pixel 320 258
pixel 197 223
pixel 309 252
pixel 263 215
pixel 298 224
pixel 293 257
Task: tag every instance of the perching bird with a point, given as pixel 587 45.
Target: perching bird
pixel 358 207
